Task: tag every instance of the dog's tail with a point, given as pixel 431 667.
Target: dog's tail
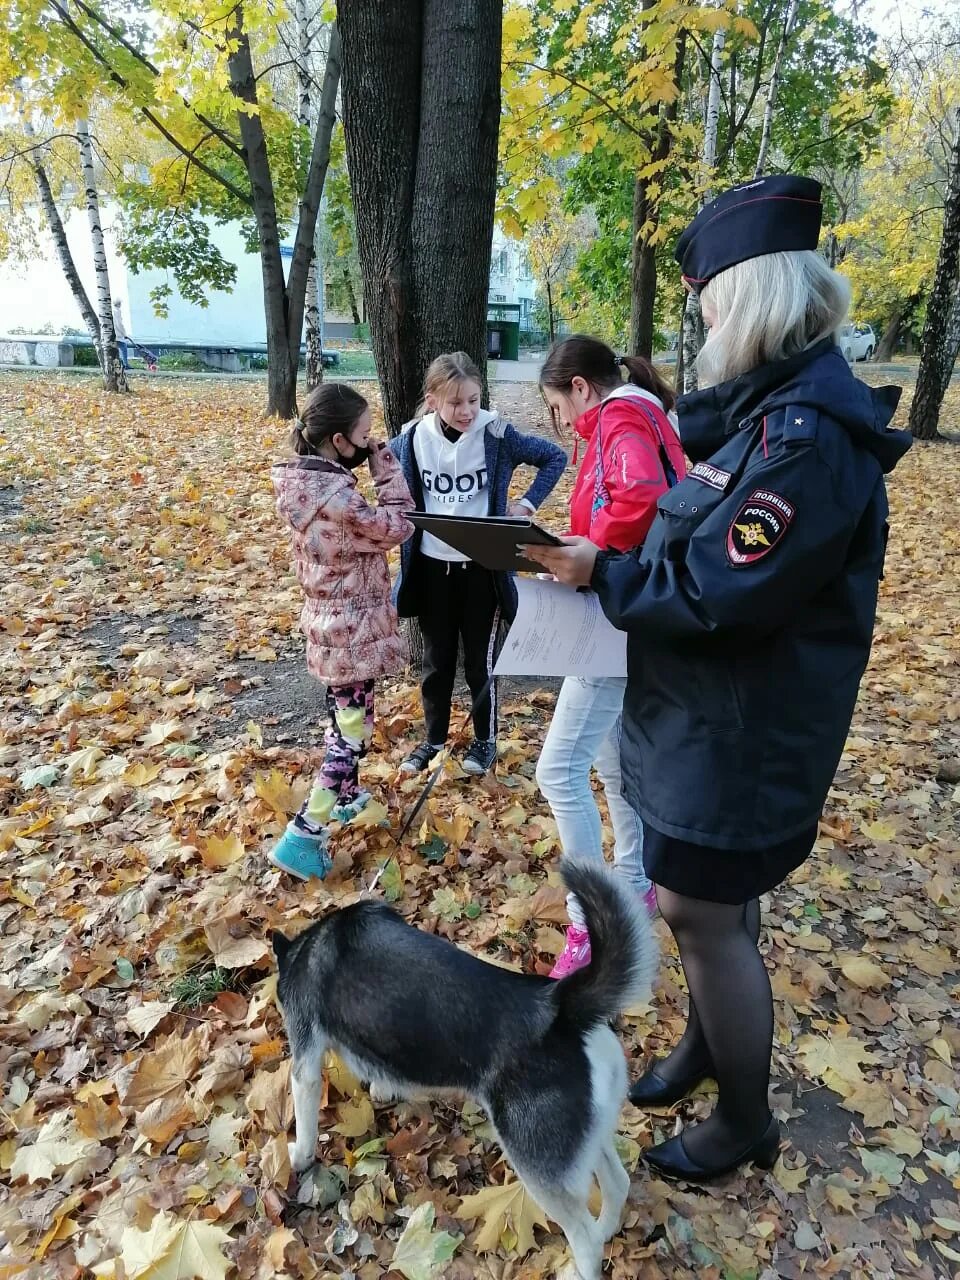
pixel 623 949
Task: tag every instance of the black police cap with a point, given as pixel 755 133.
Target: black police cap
pixel 770 215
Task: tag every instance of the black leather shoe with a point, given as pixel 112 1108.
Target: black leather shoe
pixel 652 1090
pixel 671 1159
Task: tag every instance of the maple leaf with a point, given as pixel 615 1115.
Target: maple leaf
pixel 274 790
pixel 446 904
pixel 873 1102
pixel 836 1061
pixel 225 1071
pixel 275 1160
pixel 99 1119
pixel 356 1117
pixel 222 1134
pixel 163 1118
pixel 55 1146
pixel 421 1251
pixel 172 1249
pixel 221 851
pixel 166 1070
pixel 163 732
pixel 507 1214
pixel 269 1099
pixel 143 1018
pixel 235 950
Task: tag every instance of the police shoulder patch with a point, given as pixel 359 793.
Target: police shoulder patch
pixel 758 527
pixel 706 472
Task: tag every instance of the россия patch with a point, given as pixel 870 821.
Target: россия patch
pixel 758 526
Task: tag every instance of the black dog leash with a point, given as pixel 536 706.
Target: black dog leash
pixel 431 782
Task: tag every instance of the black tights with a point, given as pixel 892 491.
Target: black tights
pixel 729 1032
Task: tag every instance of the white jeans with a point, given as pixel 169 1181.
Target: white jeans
pixel 585 733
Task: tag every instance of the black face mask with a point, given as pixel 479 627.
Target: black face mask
pixel 359 456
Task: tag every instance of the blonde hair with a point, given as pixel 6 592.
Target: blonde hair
pixel 767 309
pixel 444 372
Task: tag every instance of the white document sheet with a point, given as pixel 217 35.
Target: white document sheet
pixel 559 631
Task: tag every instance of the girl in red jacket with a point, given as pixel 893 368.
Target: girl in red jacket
pixel 632 455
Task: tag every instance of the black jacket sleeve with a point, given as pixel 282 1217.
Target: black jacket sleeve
pixel 752 563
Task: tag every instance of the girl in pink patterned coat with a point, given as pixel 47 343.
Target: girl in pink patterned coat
pixel 339 550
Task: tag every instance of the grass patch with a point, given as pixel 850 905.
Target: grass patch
pixel 200 986
pixel 354 364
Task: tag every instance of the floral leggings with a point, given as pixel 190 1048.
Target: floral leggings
pixel 350 708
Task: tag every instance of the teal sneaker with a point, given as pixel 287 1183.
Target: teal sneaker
pixel 347 812
pixel 301 854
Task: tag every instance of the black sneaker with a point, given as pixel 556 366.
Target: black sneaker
pixel 479 759
pixel 420 758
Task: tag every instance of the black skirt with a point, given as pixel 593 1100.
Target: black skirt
pixel 721 875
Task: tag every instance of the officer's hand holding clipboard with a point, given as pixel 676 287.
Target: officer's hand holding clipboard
pixel 570 560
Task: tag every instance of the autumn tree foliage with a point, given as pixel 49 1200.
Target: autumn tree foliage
pixel 196 78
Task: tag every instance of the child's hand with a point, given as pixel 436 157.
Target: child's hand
pixel 519 511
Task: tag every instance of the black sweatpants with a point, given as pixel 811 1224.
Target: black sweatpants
pixel 458 601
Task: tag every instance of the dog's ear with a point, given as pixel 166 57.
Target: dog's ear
pixel 281 946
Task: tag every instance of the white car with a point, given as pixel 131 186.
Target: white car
pixel 857 342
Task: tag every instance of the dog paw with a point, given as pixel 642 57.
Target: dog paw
pixel 298 1162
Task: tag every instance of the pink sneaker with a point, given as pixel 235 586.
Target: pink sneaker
pixel 575 955
pixel 650 902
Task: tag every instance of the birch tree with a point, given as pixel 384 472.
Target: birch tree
pixel 114 378
pixel 307 23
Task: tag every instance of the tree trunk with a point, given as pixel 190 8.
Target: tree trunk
pixel 113 373
pixel 314 329
pixel 281 376
pixel 550 324
pixel 305 40
pixel 936 360
pixel 891 335
pixel 772 92
pixel 69 267
pixel 951 342
pixel 424 188
pixel 381 82
pixel 351 295
pixel 646 218
pixel 305 244
pixel 284 300
pixel 455 192
pixel 643 293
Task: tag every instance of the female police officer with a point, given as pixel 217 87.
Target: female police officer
pixel 749 612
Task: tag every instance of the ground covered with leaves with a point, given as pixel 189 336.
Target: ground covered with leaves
pixel 158 728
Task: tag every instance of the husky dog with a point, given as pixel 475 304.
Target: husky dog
pixel 415 1015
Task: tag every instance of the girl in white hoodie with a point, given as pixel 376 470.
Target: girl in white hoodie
pixel 459 459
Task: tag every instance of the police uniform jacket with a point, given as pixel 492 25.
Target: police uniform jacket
pixel 750 607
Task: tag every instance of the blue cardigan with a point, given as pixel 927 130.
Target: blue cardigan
pixel 506 449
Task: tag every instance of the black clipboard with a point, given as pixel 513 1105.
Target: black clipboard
pixel 492 541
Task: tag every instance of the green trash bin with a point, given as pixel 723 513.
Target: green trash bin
pixel 503 331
